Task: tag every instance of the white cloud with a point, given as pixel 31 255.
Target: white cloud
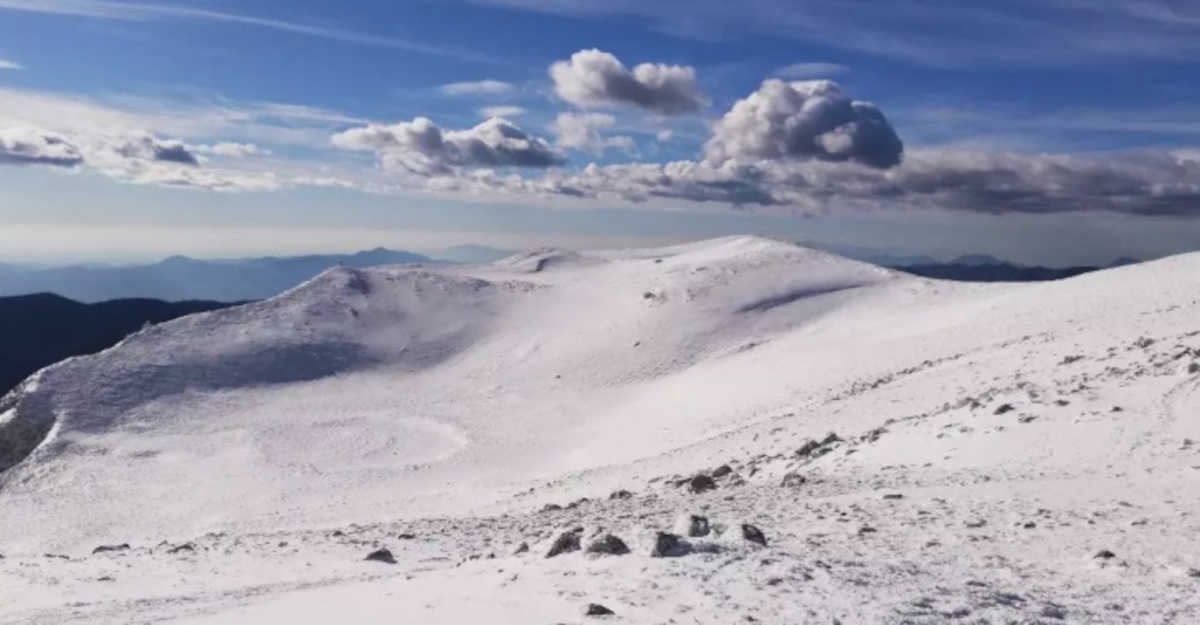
pixel 422 147
pixel 6 64
pixel 502 111
pixel 478 87
pixel 803 120
pixel 582 131
pixel 804 71
pixel 32 146
pixel 229 148
pixel 664 136
pixel 593 78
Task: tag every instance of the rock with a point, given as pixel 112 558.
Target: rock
pixel 792 480
pixel 566 542
pixel 182 548
pixel 1193 572
pixel 1027 419
pixel 551 507
pixel 1056 612
pixel 701 483
pixel 406 536
pixel 667 545
pixel 381 555
pixel 866 529
pixel 105 548
pixel 808 447
pixel 521 548
pixel 722 471
pixel 1104 554
pixel 893 496
pixel 1193 367
pixel 608 544
pixel 753 534
pixel 1003 408
pixel 830 439
pixel 595 609
pixel 621 494
pixel 693 525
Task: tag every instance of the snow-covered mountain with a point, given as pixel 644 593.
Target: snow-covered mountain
pixel 911 450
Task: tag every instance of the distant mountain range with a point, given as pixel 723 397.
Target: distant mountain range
pixel 42 329
pixel 183 278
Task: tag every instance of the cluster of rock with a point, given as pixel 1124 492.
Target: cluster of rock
pixel 691 534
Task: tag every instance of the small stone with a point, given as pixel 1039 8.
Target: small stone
pixel 701 483
pixel 608 544
pixel 1104 554
pixel 182 548
pixel 595 609
pixel 667 545
pixel 866 529
pixel 753 534
pixel 722 471
pixel 521 548
pixel 830 439
pixel 1054 611
pixel 1194 573
pixel 1193 367
pixel 977 523
pixel 566 542
pixel 696 526
pixel 1003 408
pixel 893 496
pixel 406 536
pixel 621 494
pixel 551 507
pixel 104 548
pixel 792 480
pixel 808 447
pixel 1029 525
pixel 381 555
pixel 1026 419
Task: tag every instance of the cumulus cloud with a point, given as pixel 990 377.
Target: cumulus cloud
pixel 477 87
pixel 582 131
pixel 593 78
pixel 809 120
pixel 422 147
pixel 501 111
pixel 803 71
pixel 31 146
pixel 7 64
pixel 135 157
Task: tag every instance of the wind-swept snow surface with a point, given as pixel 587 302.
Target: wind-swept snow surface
pixel 999 453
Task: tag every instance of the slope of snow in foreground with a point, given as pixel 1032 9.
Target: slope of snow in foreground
pixel 912 451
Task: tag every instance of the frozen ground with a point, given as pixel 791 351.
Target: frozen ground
pixel 1006 453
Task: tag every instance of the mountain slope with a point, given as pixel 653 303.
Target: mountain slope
pixel 183 278
pixel 1018 430
pixel 41 329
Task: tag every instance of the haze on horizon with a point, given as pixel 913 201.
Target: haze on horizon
pixel 1042 132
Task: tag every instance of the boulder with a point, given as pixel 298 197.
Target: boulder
pixel 692 525
pixel 701 483
pixel 381 555
pixel 667 545
pixel 595 609
pixel 104 548
pixel 792 480
pixel 753 534
pixel 566 542
pixel 722 471
pixel 608 544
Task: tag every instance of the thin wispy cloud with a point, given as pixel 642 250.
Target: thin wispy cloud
pixel 138 11
pixel 803 71
pixel 477 87
pixel 12 65
pixel 502 111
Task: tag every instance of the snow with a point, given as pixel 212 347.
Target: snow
pixel 285 439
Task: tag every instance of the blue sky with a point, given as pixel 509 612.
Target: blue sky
pixel 1057 131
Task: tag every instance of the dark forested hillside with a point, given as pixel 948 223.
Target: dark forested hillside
pixel 43 328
